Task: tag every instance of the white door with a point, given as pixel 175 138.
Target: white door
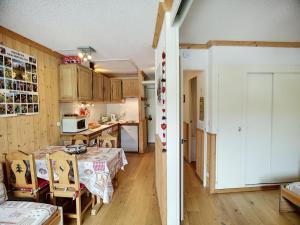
pixel 258 128
pixel 151 115
pixel 230 115
pixel 286 128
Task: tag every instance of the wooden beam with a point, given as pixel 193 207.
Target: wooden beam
pixel 167 4
pixel 240 43
pixel 29 42
pixel 159 22
pixel 193 46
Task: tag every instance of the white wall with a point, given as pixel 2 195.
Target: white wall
pixel 233 63
pixel 229 69
pixel 130 108
pixel 169 42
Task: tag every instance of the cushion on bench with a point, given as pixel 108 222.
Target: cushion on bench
pixel 14 212
pixel 3 193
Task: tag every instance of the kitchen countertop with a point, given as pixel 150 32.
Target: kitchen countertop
pixel 103 127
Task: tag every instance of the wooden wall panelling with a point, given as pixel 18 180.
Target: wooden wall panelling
pixel 200 153
pixel 161 178
pixel 211 148
pixel 29 133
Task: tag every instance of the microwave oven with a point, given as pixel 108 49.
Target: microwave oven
pixel 74 124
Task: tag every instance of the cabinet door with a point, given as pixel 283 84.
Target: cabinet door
pixel 106 89
pixel 130 88
pixel 116 90
pixel 285 155
pixel 68 82
pixel 97 86
pixel 259 125
pixel 84 83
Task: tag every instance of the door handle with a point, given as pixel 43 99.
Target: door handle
pixel 183 140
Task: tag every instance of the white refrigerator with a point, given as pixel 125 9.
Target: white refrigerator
pixel 130 138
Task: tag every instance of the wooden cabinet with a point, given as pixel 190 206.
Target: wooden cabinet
pixel 68 82
pixel 97 86
pixel 85 79
pixel 75 82
pixel 130 88
pixel 116 90
pixel 106 89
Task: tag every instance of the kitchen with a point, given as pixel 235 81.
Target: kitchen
pixel 93 104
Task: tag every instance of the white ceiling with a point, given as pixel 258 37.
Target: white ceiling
pixel 116 29
pixel 256 20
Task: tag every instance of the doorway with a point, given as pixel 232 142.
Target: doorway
pixel 189 110
pixel 150 112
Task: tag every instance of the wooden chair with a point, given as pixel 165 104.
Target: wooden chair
pixel 79 139
pixel 22 178
pixel 107 141
pixel 64 187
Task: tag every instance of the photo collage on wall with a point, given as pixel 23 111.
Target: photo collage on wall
pixel 18 83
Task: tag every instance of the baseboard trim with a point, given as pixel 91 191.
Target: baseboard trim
pixel 246 189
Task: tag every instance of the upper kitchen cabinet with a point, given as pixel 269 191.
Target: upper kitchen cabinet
pixel 130 88
pixel 116 90
pixel 75 82
pixel 106 89
pixel 97 86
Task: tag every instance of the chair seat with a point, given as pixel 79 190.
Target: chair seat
pixel 41 184
pixel 82 186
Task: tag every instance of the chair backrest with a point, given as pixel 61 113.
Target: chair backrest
pixel 79 139
pixel 66 168
pixel 21 166
pixel 107 141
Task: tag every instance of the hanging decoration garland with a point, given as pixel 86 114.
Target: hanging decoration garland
pixel 163 100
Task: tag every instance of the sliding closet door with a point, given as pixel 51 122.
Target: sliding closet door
pixel 258 128
pixel 285 156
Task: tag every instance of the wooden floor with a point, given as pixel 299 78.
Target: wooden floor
pixel 251 208
pixel 134 201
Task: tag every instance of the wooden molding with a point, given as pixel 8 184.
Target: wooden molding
pixel 211 148
pixel 240 43
pixel 29 42
pixel 193 46
pixel 159 22
pixel 247 189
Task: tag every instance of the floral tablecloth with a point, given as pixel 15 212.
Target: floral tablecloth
pixel 97 167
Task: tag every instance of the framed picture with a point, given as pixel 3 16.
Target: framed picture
pixel 18 83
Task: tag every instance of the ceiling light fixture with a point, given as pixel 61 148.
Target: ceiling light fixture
pixel 86 53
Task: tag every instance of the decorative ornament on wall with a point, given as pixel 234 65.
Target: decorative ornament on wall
pixel 162 100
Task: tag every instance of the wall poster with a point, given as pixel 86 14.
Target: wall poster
pixel 18 83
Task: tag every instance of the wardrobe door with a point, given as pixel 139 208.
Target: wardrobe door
pixel 258 128
pixel 285 156
pixel 229 140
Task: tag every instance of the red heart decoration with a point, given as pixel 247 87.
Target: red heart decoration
pixel 164 143
pixel 164 135
pixel 163 55
pixel 163 126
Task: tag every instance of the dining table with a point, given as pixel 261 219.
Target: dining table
pixel 97 167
